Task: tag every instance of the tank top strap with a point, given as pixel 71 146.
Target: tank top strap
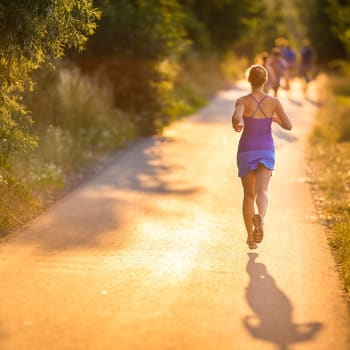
pixel 258 105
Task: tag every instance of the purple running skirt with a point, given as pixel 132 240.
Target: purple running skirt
pixel 250 160
pixel 255 145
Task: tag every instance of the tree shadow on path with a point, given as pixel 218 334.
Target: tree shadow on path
pixel 98 208
pixel 273 319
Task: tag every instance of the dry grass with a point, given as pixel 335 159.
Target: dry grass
pixel 330 165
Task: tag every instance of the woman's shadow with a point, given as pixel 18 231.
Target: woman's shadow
pixel 273 319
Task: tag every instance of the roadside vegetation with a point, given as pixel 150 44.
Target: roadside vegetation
pixel 328 28
pixel 330 165
pixel 33 35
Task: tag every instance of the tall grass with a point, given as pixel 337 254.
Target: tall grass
pixel 330 163
pixel 75 121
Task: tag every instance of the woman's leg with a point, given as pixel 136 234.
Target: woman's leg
pixel 263 176
pixel 248 182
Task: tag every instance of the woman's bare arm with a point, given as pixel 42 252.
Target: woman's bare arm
pixel 237 115
pixel 282 117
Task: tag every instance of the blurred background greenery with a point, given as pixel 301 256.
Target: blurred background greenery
pixel 81 78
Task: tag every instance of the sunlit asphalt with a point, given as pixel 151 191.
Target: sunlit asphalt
pixel 151 253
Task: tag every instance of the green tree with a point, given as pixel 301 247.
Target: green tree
pixel 339 12
pixel 224 22
pixel 262 28
pixel 33 32
pixel 135 42
pixel 317 20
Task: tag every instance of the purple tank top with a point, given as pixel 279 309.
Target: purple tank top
pixel 257 134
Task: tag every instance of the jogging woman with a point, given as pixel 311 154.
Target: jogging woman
pixel 254 114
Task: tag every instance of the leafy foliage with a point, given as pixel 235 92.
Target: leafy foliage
pixel 339 13
pixel 224 21
pixel 265 26
pixel 318 24
pixel 150 29
pixel 32 33
pixel 16 200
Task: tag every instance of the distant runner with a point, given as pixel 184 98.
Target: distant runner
pixel 290 56
pixel 307 63
pixel 279 66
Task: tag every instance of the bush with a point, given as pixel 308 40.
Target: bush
pixel 16 203
pixel 75 120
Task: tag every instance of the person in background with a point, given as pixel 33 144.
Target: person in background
pixel 290 56
pixel 307 63
pixel 265 61
pixel 279 67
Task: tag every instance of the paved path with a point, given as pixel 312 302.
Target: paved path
pixel 151 253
